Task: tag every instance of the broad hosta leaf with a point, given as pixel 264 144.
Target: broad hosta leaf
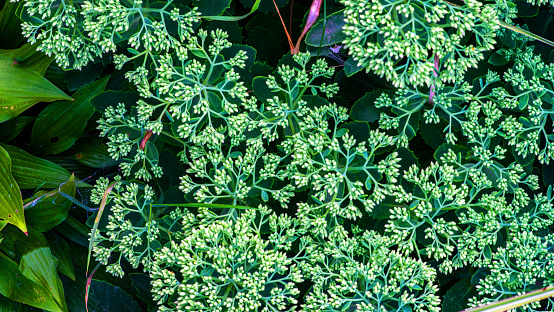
pixel 16 286
pixel 11 128
pixel 333 31
pixel 45 210
pixel 31 172
pixel 7 305
pixel 21 87
pixel 103 296
pixel 75 231
pixel 10 26
pixel 60 250
pixel 60 124
pixel 11 203
pixel 92 153
pixel 29 56
pixel 112 98
pixel 38 264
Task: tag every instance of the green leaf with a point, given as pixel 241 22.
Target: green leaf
pixel 359 130
pixel 364 109
pixel 38 264
pixel 60 124
pixel 16 286
pixel 11 203
pixel 103 296
pixel 267 45
pixel 7 305
pixel 28 56
pixel 45 210
pixel 21 87
pixel 13 127
pixel 432 135
pixel 261 90
pixel 333 31
pixel 199 53
pixel 212 7
pixel 93 153
pixel 84 76
pixel 264 6
pixel 457 296
pixel 264 196
pixel 341 132
pixel 74 230
pixel 351 67
pixel 498 58
pixel 60 250
pixel 10 26
pixel 523 101
pixel 112 98
pixel 141 282
pixel 462 151
pixel 32 172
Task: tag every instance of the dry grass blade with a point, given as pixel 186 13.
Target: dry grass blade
pixel 95 227
pixel 517 301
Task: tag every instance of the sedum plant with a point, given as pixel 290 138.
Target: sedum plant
pixel 77 33
pixel 253 182
pixel 404 41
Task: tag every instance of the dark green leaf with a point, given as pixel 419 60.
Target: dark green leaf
pixel 261 90
pixel 431 134
pixel 141 282
pixel 7 305
pixel 351 67
pixel 45 210
pixel 104 296
pixel 74 230
pixel 38 264
pixel 21 87
pixel 60 124
pixel 60 250
pixel 10 26
pixel 359 130
pixel 265 42
pixel 28 56
pixel 364 109
pixel 212 7
pixel 498 58
pixel 457 296
pixel 93 153
pixel 333 31
pixel 84 76
pixel 112 98
pixel 32 172
pixel 11 128
pixel 16 286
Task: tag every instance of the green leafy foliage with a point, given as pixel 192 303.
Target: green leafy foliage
pixel 11 203
pixel 21 87
pixel 234 176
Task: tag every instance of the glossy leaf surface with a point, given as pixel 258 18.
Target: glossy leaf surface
pixel 21 87
pixel 11 203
